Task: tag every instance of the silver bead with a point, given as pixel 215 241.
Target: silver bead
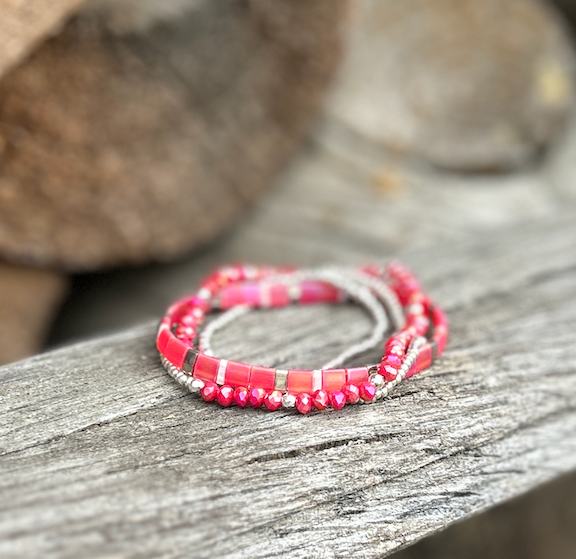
pixel 377 380
pixel 280 379
pixel 288 400
pixel 382 393
pixel 196 385
pixel 205 294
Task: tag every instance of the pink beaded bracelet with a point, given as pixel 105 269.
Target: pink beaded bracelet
pixel 420 335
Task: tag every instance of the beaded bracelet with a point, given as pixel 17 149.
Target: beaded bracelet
pixel 389 294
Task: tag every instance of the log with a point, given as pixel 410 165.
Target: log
pixel 135 139
pixel 24 23
pixel 102 454
pixel 29 299
pixel 471 86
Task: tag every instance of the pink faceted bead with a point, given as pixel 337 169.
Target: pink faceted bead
pixel 256 397
pixel 241 397
pixel 304 403
pixel 387 371
pixel 352 392
pixel 209 391
pixel 320 400
pixel 225 395
pixel 367 391
pixel 337 399
pixel 393 360
pixel 273 401
pixel 397 350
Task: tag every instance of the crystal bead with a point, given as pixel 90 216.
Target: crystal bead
pixel 352 392
pixel 209 391
pixel 256 397
pixel 225 396
pixel 337 399
pixel 304 403
pixel 273 401
pixel 241 397
pixel 367 391
pixel 320 400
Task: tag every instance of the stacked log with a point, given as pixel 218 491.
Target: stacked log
pixel 140 131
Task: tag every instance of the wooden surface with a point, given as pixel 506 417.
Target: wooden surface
pixel 537 525
pixel 102 455
pixel 166 167
pixel 24 23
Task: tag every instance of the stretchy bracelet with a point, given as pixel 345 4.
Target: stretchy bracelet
pixel 391 295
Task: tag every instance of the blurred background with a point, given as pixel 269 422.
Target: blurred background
pixel 142 143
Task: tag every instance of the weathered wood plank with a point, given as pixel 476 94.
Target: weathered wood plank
pixel 103 454
pixel 343 200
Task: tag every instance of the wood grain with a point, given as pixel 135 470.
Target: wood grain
pixel 102 455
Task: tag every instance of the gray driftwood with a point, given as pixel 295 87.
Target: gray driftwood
pixel 103 455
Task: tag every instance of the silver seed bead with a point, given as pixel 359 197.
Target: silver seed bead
pixel 196 385
pixel 205 294
pixel 377 380
pixel 288 400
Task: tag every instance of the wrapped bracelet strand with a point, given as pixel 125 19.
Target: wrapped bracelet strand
pixel 389 294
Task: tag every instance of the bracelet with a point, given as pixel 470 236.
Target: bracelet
pixel 391 295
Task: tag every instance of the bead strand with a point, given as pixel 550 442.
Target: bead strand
pixel 421 331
